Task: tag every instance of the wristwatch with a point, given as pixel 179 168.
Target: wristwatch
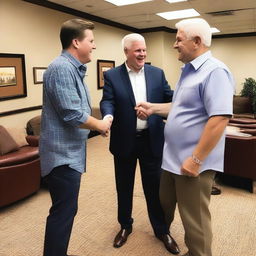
pixel 196 160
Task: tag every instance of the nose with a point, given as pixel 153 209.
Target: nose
pixel 94 46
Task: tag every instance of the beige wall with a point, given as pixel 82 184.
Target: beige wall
pixel 34 31
pixel 161 54
pixel 239 55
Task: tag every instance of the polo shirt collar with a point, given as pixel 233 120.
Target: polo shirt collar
pixel 200 60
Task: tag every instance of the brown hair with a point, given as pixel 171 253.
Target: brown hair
pixel 72 29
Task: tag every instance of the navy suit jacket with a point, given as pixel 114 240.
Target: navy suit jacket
pixel 118 100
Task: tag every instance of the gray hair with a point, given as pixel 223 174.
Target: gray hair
pixel 130 38
pixel 196 27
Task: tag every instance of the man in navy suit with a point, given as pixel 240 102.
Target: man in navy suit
pixel 133 139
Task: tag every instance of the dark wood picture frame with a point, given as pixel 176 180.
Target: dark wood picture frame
pixel 38 73
pixel 103 66
pixel 12 76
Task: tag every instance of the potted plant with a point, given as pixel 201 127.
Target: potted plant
pixel 249 90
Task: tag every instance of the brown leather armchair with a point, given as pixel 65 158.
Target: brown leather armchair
pixel 20 172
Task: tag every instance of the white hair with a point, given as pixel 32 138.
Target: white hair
pixel 130 38
pixel 196 27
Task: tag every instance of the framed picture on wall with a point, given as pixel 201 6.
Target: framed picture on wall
pixel 12 76
pixel 38 73
pixel 103 66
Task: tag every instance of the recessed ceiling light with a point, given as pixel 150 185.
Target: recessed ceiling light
pixel 126 2
pixel 175 1
pixel 214 30
pixel 179 14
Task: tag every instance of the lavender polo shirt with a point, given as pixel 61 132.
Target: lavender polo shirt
pixel 205 89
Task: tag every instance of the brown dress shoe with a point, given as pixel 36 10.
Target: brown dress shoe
pixel 121 237
pixel 169 243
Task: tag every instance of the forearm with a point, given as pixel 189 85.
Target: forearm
pixel 161 109
pixel 91 124
pixel 212 133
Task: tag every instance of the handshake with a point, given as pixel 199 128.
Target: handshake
pixel 106 123
pixel 144 110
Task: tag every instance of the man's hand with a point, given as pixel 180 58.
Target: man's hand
pixel 190 168
pixel 109 120
pixel 144 110
pixel 103 126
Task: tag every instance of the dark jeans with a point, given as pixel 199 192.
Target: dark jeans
pixel 64 184
pixel 150 168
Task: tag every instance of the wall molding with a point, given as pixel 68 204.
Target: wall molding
pixel 21 110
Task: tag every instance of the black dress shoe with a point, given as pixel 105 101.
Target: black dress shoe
pixel 121 237
pixel 169 243
pixel 215 191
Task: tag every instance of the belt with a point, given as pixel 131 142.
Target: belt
pixel 140 133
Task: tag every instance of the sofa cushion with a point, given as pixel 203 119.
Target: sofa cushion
pixel 7 143
pixel 18 134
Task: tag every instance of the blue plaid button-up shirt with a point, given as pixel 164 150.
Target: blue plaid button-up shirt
pixel 66 105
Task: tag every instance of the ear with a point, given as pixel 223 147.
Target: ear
pixel 75 43
pixel 197 41
pixel 125 50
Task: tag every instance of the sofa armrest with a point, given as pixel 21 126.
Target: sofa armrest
pixel 33 140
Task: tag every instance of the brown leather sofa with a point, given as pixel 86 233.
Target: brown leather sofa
pixel 20 172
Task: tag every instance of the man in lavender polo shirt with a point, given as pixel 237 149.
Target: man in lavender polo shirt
pixel 194 133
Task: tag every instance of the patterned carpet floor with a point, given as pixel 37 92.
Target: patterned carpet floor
pixel 22 224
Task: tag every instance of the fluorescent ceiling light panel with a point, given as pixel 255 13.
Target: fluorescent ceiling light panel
pixel 179 14
pixel 214 30
pixel 175 1
pixel 126 2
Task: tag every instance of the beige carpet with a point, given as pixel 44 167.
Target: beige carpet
pixel 22 224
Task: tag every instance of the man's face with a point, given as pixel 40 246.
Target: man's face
pixel 85 47
pixel 185 47
pixel 136 55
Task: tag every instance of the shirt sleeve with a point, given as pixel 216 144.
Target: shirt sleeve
pixel 63 91
pixel 218 93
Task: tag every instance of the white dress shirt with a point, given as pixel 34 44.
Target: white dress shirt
pixel 138 82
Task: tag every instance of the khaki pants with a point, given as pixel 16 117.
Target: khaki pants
pixel 192 195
